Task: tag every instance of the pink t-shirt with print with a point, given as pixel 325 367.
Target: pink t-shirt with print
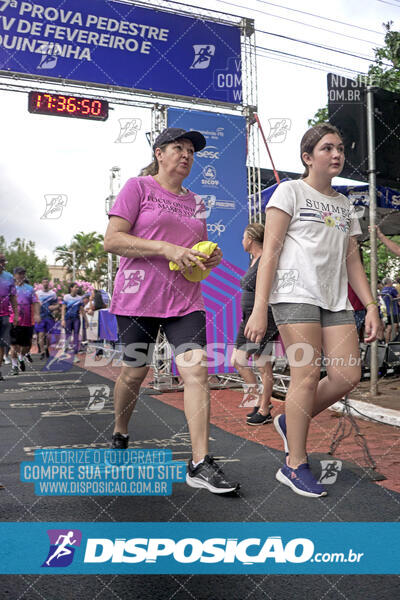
pixel 145 286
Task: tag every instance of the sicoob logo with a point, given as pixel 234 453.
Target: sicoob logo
pixel 62 547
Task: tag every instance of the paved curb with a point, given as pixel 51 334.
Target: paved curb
pixel 387 416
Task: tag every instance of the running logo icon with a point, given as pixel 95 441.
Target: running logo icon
pixel 99 394
pixel 286 280
pixel 278 129
pixel 203 54
pixel 133 280
pixel 128 129
pixel 55 204
pixel 63 543
pixel 329 471
pixel 204 205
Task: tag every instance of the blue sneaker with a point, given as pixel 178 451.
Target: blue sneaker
pixel 301 480
pixel 280 426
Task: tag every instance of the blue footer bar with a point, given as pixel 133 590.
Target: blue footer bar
pixel 199 548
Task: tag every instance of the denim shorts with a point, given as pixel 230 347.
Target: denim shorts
pixel 293 312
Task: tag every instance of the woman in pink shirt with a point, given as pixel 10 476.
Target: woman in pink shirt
pixel 156 220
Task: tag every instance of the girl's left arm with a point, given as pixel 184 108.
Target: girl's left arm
pixel 359 282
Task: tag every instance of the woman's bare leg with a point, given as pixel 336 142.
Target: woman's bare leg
pixel 303 348
pixel 342 356
pixel 192 367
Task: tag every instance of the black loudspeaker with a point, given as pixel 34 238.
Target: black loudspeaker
pixel 381 356
pixel 393 354
pixel 347 109
pixel 387 137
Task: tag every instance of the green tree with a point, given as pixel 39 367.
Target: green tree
pixel 383 73
pixel 388 263
pixel 21 253
pixel 90 257
pixel 321 116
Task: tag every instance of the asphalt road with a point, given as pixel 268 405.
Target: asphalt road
pixel 50 409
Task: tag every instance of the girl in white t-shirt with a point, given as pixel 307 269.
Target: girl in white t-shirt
pixel 309 256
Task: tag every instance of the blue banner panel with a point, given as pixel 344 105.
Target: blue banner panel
pixel 219 175
pixel 123 45
pixel 200 548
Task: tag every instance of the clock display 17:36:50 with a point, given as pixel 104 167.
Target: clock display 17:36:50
pixel 44 103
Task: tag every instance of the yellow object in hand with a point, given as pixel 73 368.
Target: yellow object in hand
pixel 197 274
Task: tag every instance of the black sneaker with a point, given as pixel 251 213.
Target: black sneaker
pixel 47 353
pixel 253 412
pixel 42 356
pixel 14 371
pixel 259 419
pixel 29 357
pixel 1 377
pixel 22 364
pixel 210 476
pixel 119 442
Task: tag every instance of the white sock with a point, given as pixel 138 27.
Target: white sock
pixel 20 357
pixel 198 463
pixel 125 435
pixel 14 362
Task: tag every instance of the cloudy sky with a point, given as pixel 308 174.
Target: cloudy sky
pixel 44 155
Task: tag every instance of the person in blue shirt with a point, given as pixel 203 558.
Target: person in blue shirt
pixel 71 311
pixel 48 304
pixel 391 299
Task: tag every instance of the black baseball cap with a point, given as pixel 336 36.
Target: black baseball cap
pixel 19 270
pixel 171 134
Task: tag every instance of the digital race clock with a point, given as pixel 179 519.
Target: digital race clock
pixel 43 103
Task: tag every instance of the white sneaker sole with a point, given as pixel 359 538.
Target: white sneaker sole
pixel 283 479
pixel 198 483
pixel 279 430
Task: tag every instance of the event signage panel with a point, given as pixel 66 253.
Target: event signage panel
pixel 122 45
pixel 219 176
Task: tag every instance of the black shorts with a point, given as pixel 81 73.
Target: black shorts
pixel 395 319
pixel 138 335
pixel 243 343
pixel 21 336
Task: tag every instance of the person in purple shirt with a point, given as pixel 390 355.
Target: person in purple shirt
pixel 391 299
pixel 7 297
pixel 71 311
pixel 21 333
pixel 154 221
pixel 48 304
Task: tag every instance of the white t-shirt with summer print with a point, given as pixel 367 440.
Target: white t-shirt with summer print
pixel 312 264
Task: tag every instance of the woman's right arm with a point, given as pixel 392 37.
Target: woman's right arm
pixel 118 240
pixel 390 245
pixel 277 223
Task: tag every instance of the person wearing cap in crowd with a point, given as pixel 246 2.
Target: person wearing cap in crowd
pixel 21 333
pixel 48 304
pixel 7 296
pixel 154 224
